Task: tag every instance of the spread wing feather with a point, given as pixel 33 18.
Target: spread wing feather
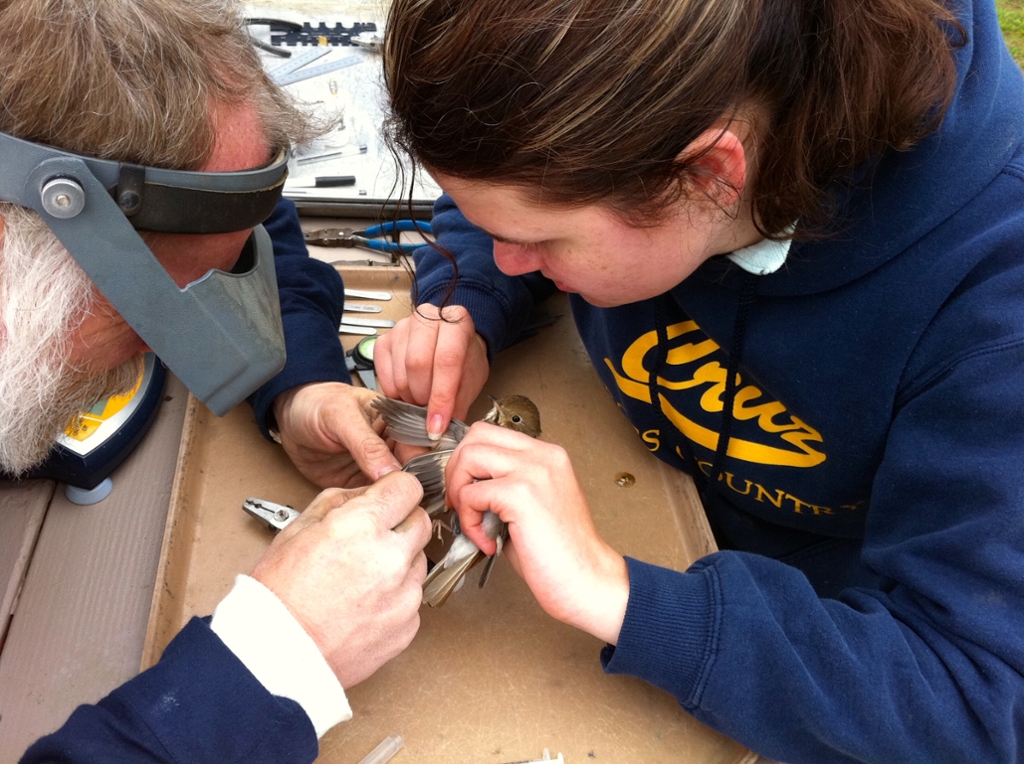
pixel 407 423
pixel 429 470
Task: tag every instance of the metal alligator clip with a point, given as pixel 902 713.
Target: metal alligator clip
pixel 277 516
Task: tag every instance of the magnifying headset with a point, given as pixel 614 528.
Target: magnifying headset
pixel 222 334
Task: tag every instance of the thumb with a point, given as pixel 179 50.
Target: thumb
pixel 325 502
pixel 368 449
pixel 471 517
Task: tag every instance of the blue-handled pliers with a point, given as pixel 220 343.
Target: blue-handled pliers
pixel 370 238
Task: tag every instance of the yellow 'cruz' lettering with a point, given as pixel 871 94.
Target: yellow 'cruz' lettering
pixel 750 402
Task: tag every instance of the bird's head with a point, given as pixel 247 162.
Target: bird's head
pixel 515 412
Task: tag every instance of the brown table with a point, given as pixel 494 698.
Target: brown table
pixel 80 582
pixel 489 678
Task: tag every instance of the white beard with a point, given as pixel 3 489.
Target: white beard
pixel 44 297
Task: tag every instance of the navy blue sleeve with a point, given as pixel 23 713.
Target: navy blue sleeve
pixel 500 305
pixel 312 300
pixel 198 704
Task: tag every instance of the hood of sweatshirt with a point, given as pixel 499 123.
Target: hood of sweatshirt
pixel 908 194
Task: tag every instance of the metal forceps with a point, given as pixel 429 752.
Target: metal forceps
pixel 373 238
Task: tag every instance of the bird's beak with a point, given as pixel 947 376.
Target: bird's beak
pixel 494 415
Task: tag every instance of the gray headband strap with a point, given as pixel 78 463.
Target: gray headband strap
pixel 154 198
pixel 151 206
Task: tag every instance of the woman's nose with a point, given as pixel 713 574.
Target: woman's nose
pixel 515 259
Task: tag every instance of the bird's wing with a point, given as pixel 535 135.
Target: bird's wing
pixel 429 470
pixel 407 423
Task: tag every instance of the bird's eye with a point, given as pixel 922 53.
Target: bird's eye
pixel 516 419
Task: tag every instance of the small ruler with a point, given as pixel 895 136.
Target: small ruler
pixel 294 69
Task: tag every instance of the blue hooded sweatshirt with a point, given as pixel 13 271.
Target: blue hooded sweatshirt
pixel 868 497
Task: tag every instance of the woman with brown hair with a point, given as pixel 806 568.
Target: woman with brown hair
pixel 793 234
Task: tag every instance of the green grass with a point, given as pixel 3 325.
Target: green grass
pixel 1011 19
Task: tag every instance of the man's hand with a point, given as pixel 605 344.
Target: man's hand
pixel 350 569
pixel 332 435
pixel 440 363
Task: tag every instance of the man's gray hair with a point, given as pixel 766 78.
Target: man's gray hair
pixel 134 80
pixel 138 81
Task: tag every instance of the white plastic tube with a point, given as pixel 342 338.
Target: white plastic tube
pixel 391 745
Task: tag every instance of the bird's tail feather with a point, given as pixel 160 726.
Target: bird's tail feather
pixel 442 581
pixel 486 575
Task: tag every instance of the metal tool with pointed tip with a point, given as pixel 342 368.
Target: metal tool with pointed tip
pixel 378 323
pixel 357 307
pixel 367 294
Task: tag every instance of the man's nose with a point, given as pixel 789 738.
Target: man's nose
pixel 189 258
pixel 515 259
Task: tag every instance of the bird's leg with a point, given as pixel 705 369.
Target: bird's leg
pixel 437 524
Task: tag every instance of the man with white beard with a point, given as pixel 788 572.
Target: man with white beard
pixel 141 146
pixel 44 296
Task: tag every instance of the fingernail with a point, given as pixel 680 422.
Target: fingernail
pixel 434 430
pixel 387 469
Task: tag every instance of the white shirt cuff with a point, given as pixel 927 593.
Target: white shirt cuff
pixel 258 628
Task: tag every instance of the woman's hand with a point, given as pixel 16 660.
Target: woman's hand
pixel 575 576
pixel 436 360
pixel 332 435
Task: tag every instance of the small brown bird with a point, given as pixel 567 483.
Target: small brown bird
pixel 407 423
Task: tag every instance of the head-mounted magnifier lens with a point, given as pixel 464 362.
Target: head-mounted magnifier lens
pixel 221 335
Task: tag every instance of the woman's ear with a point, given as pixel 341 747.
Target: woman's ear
pixel 718 165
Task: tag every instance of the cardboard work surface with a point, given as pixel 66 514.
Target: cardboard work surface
pixel 489 678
